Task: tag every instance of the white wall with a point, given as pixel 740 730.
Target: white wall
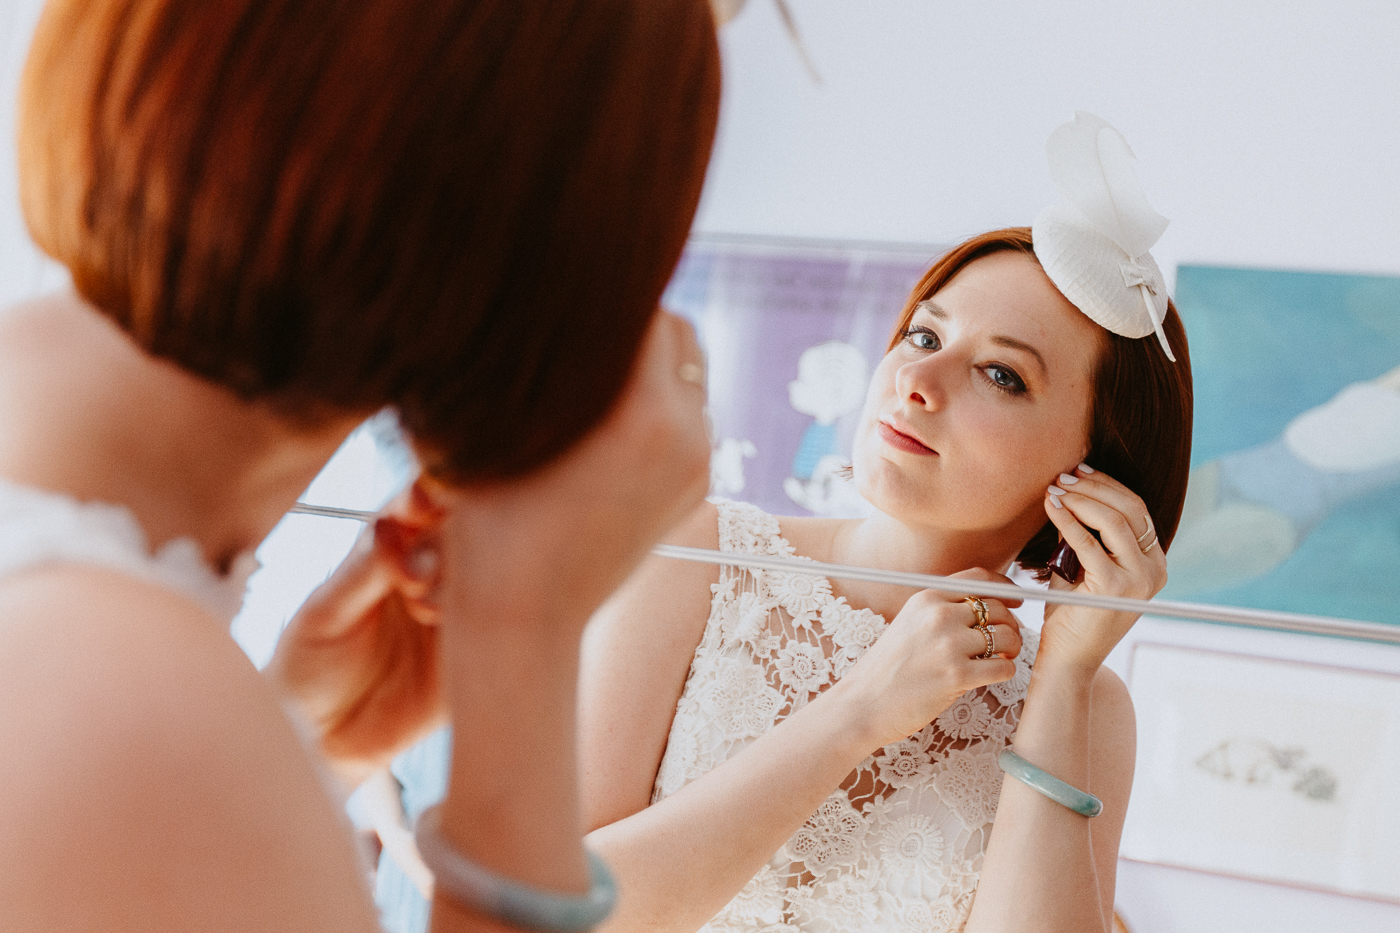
pixel 23 270
pixel 1269 132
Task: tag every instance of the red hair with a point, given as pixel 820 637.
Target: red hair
pixel 467 210
pixel 1140 424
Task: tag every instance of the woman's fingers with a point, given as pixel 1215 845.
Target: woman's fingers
pixel 356 587
pixel 991 671
pixel 1090 553
pixel 985 576
pixel 1115 532
pixel 1005 641
pixel 1003 630
pixel 1112 493
pixel 1120 557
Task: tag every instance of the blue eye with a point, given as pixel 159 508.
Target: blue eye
pixel 921 338
pixel 1004 379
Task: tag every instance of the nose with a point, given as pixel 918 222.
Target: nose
pixel 923 383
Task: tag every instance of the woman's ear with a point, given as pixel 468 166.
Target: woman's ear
pixel 407 537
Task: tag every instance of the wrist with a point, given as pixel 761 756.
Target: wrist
pixel 512 803
pixel 1057 663
pixel 532 834
pixel 850 715
pixel 1056 708
pixel 1071 684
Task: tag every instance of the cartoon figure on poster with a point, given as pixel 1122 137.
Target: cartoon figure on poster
pixel 727 466
pixel 831 383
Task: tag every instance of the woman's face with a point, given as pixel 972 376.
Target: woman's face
pixel 982 404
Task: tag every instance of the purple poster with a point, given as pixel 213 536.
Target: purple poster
pixel 792 332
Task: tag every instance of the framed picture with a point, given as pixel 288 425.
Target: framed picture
pixel 1265 769
pixel 1294 500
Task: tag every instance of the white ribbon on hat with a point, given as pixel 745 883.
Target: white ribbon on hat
pixel 1095 246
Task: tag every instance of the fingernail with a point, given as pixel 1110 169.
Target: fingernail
pixel 1068 480
pixel 422 563
pixel 1055 501
pixel 1085 468
pixel 1056 491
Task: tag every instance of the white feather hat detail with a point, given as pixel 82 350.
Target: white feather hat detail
pixel 1094 246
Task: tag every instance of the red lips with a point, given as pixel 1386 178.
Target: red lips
pixel 901 441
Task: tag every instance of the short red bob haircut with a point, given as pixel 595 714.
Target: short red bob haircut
pixel 466 209
pixel 1140 425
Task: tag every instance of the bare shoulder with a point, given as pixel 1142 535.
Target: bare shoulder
pixel 1112 749
pixel 1112 733
pixel 666 591
pixel 1112 756
pixel 1112 704
pixel 141 744
pixel 811 536
pixel 699 529
pixel 637 651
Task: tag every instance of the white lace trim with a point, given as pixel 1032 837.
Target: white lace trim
pixel 900 844
pixel 37 526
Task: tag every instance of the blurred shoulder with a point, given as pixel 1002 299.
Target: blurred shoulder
pixel 142 743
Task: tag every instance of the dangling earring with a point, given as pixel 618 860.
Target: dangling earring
pixel 1064 563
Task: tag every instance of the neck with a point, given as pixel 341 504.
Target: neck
pixel 890 544
pixel 86 413
pixel 886 542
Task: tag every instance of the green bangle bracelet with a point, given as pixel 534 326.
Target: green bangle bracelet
pixel 1057 790
pixel 505 899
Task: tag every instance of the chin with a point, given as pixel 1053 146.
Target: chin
pixel 889 491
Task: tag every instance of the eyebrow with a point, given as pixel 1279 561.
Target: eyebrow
pixel 1000 339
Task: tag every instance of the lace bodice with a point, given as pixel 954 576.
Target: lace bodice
pixel 899 845
pixel 37 526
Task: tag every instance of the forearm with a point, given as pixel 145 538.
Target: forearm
pixel 512 804
pixel 681 860
pixel 1039 873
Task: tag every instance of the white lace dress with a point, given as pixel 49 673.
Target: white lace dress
pixel 898 847
pixel 38 527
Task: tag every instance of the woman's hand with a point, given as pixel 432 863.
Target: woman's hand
pixel 926 659
pixel 525 563
pixel 560 540
pixel 1129 562
pixel 359 661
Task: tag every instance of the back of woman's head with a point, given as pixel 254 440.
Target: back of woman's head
pixel 464 208
pixel 1140 425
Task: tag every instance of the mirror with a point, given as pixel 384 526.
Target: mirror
pixel 1256 132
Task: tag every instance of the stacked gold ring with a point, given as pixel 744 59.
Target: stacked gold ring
pixel 1150 531
pixel 980 608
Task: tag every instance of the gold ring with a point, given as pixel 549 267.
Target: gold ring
pixel 991 638
pixel 1150 545
pixel 693 373
pixel 979 607
pixel 1148 519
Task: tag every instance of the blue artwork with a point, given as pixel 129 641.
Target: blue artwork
pixel 1295 488
pixel 819 440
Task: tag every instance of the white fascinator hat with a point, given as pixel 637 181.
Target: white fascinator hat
pixel 1094 244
